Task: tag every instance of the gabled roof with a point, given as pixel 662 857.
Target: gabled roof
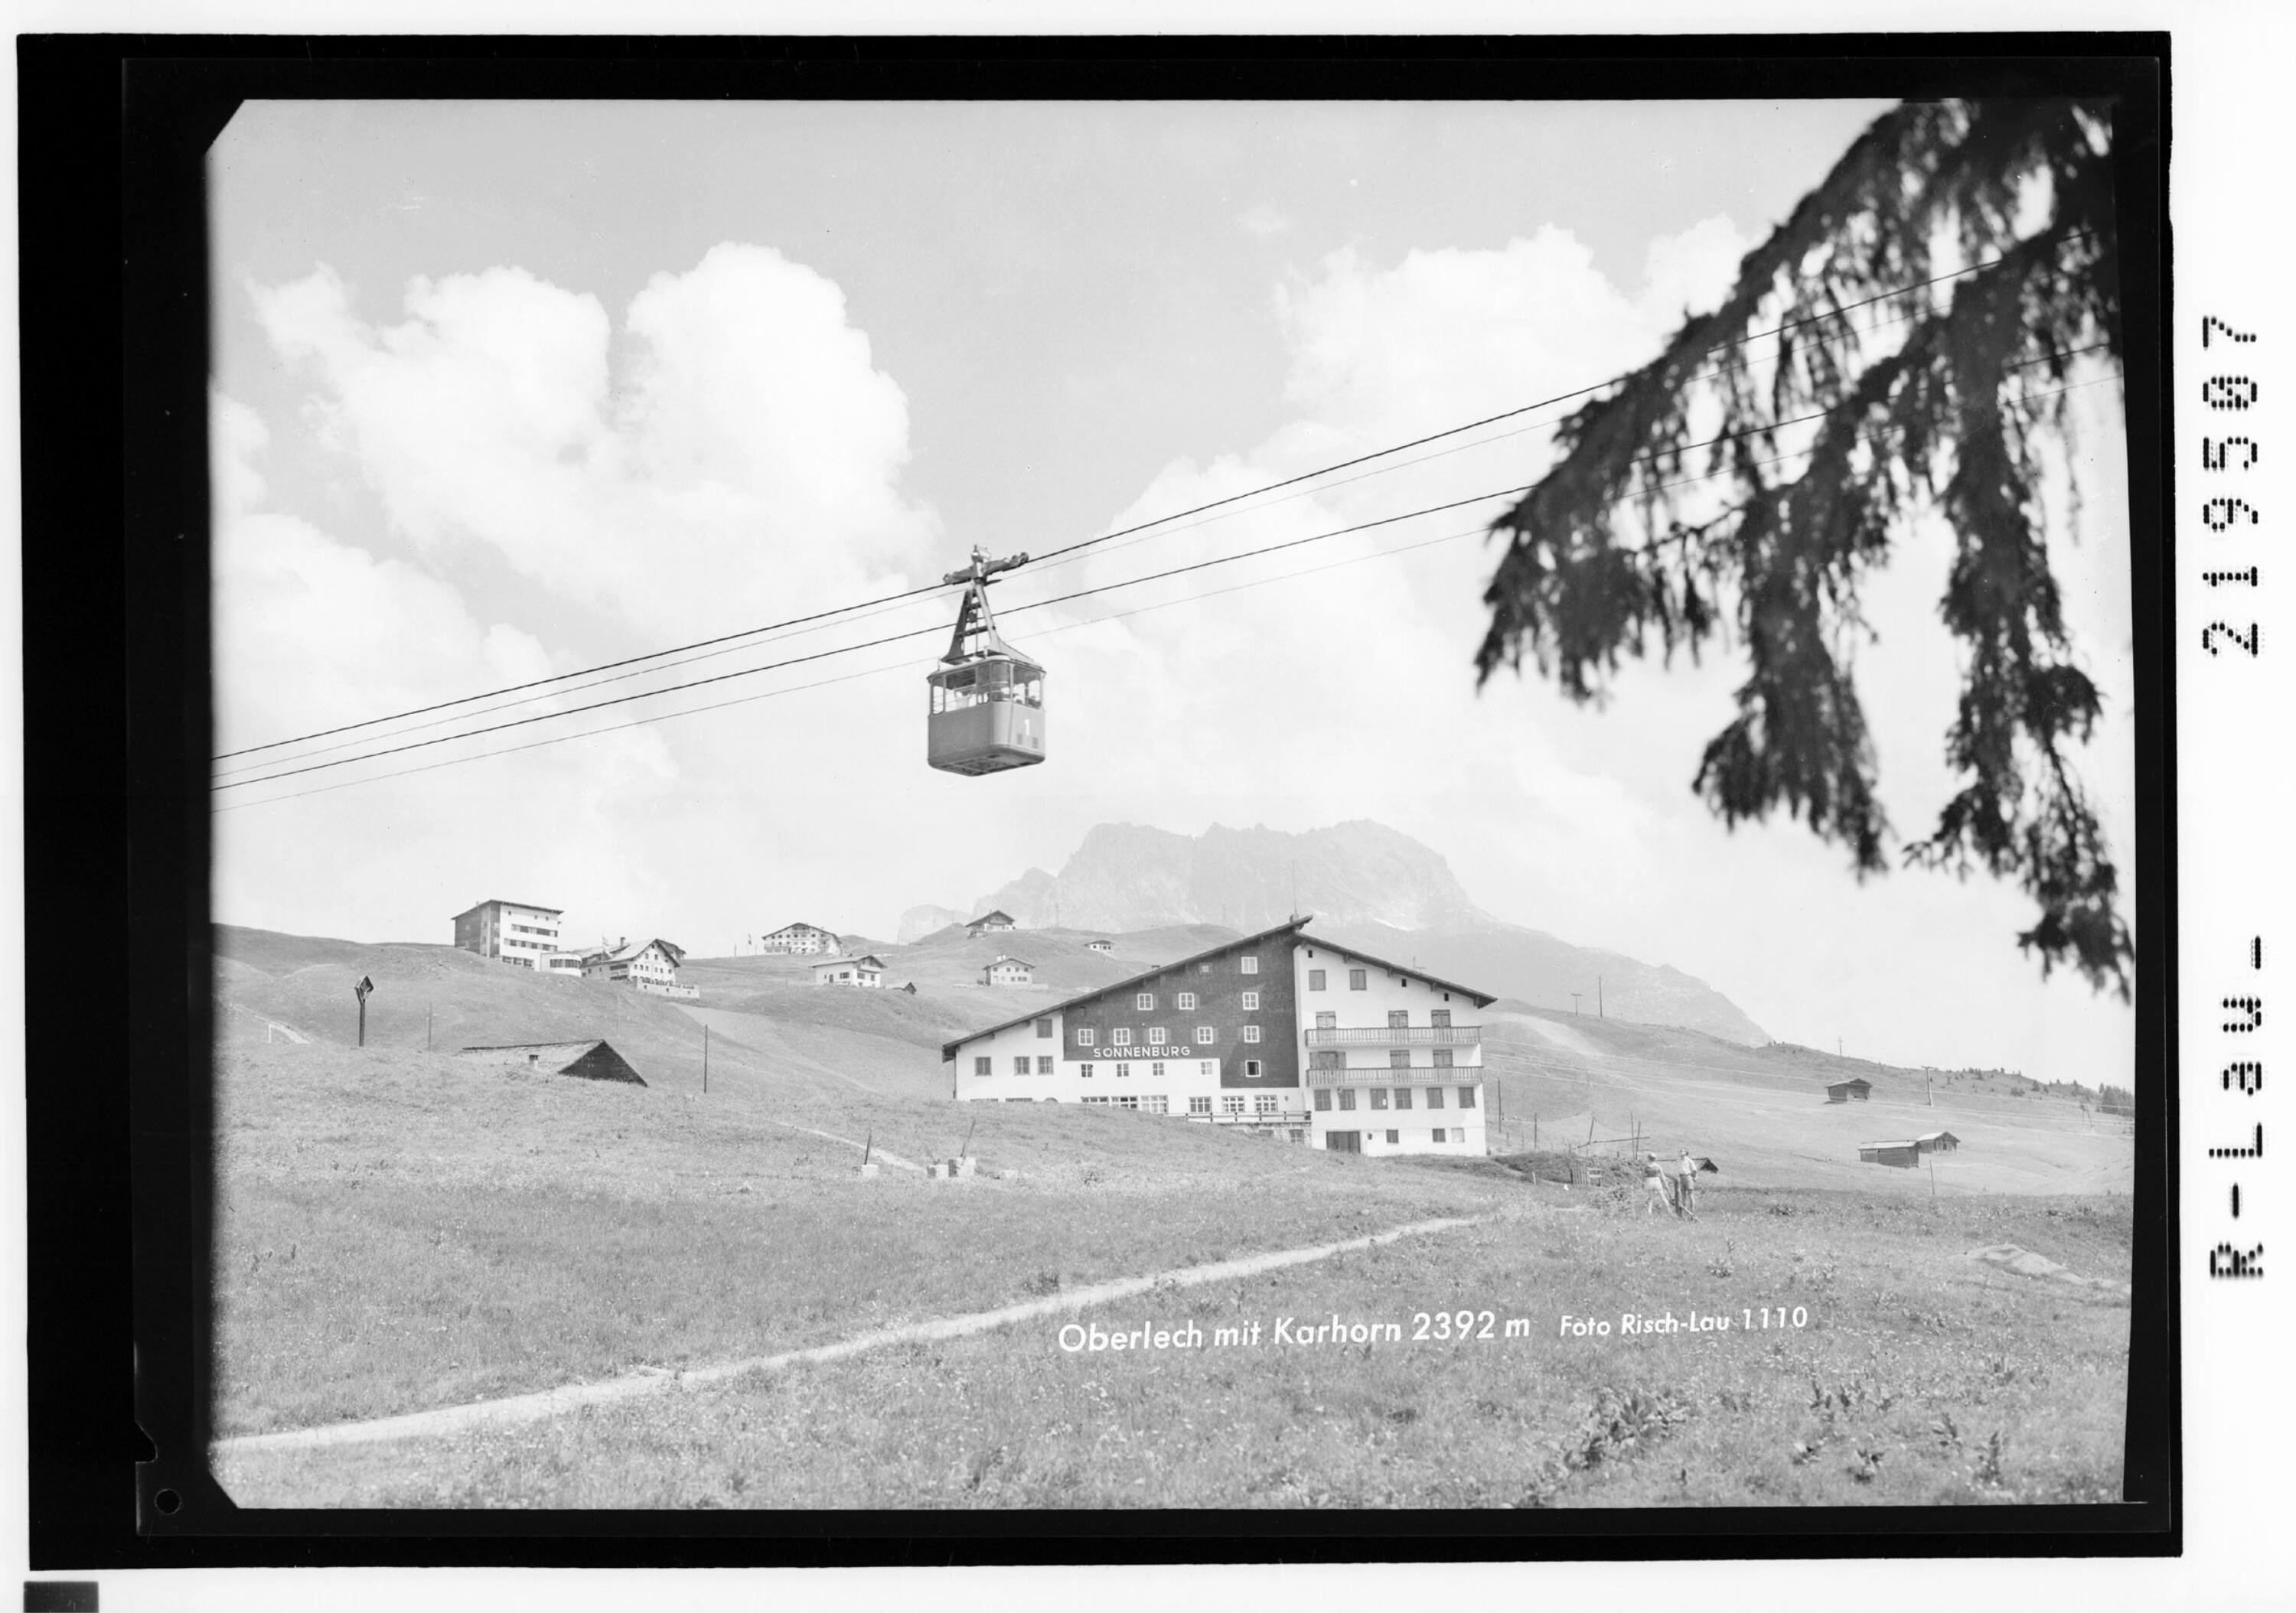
pixel 1022 963
pixel 997 913
pixel 1482 999
pixel 948 1049
pixel 1894 1143
pixel 631 949
pixel 555 1053
pixel 801 924
pixel 1848 1081
pixel 1935 1137
pixel 869 958
pixel 498 902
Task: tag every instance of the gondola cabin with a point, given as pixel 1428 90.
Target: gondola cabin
pixel 985 707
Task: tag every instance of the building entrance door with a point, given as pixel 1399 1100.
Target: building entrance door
pixel 1343 1142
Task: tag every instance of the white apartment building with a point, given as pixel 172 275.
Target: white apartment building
pixel 514 932
pixel 650 966
pixel 1280 1032
pixel 868 971
pixel 800 937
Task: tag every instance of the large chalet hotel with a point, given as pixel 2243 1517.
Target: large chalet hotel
pixel 1280 1032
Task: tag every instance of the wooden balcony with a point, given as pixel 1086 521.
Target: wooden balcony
pixel 1418 1075
pixel 1398 1035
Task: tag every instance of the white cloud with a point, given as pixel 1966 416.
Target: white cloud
pixel 311 631
pixel 747 444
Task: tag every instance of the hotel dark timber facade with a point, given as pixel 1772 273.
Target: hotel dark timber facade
pixel 1280 1033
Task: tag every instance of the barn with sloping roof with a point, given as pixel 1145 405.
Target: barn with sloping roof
pixel 1856 1086
pixel 1937 1142
pixel 1903 1151
pixel 593 1059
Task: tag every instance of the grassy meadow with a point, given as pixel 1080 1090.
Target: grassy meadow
pixel 400 1230
pixel 1918 1376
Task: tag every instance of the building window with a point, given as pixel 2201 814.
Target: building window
pixel 1251 1069
pixel 1127 1101
pixel 1121 1036
pixel 1324 1097
pixel 1327 1021
pixel 1021 1065
pixel 1251 1033
pixel 1440 1136
pixel 1044 1027
pixel 1398 1058
pixel 1403 1097
pixel 1123 1072
pixel 1379 1097
pixel 1357 981
pixel 1185 1000
pixel 1156 1036
pixel 1327 1058
pixel 1466 1097
pixel 1394 1137
pixel 1434 1097
pixel 1144 1002
pixel 1204 1035
pixel 1084 1036
pixel 1347 1097
pixel 1442 1058
pixel 1204 1068
pixel 1097 1100
pixel 1200 1106
pixel 1315 980
pixel 1156 1103
pixel 981 1067
pixel 1156 1071
pixel 1251 1000
pixel 1044 1064
pixel 1441 1016
pixel 1249 964
pixel 1265 1103
pixel 1085 1070
pixel 1397 1017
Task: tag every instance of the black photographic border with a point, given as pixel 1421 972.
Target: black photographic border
pixel 114 323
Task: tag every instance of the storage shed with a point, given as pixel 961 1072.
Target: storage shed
pixel 594 1060
pixel 1906 1152
pixel 1938 1143
pixel 1856 1086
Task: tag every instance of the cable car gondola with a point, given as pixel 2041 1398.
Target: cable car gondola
pixel 986 701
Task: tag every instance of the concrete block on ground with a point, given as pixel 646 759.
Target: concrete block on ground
pixel 867 1173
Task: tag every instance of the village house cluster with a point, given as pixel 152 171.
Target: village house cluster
pixel 523 934
pixel 1280 1033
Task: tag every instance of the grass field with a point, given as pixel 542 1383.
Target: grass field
pixel 1918 1376
pixel 402 1231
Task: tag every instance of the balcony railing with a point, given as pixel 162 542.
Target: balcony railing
pixel 1398 1035
pixel 1418 1075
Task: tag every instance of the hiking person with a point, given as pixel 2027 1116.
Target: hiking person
pixel 1654 1179
pixel 1687 1172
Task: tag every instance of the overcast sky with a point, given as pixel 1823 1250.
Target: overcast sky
pixel 507 390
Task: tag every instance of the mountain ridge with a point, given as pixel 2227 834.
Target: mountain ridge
pixel 1367 885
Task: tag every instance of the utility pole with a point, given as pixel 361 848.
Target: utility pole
pixel 426 1027
pixel 1574 1005
pixel 1598 998
pixel 359 991
pixel 705 1059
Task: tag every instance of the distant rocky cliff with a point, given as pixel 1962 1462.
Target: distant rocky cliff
pixel 1366 884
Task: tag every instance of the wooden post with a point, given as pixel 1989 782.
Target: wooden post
pixel 965 1152
pixel 705 1058
pixel 426 1027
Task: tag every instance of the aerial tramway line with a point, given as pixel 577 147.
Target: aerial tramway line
pixel 984 709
